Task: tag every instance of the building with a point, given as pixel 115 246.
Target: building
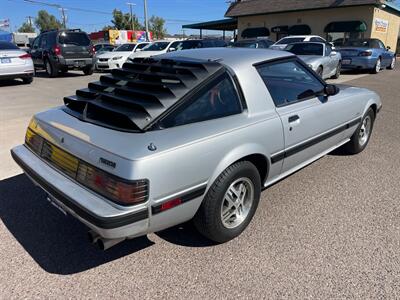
pixel 335 20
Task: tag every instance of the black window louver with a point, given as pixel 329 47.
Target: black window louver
pixel 131 98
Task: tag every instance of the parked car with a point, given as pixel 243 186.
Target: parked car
pixel 320 57
pixel 196 44
pixel 282 43
pixel 116 58
pixel 367 54
pixel 155 48
pixel 252 43
pixel 189 134
pixel 15 63
pixel 62 50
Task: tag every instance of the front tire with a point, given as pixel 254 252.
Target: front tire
pixel 320 71
pixel 392 64
pixel 230 203
pixel 362 135
pixel 27 80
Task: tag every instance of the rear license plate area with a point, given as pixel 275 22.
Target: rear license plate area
pixel 5 60
pixel 346 61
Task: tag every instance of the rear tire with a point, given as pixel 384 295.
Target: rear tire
pixel 230 203
pixel 338 70
pixel 377 67
pixel 51 70
pixel 88 70
pixel 27 80
pixel 392 64
pixel 362 135
pixel 320 71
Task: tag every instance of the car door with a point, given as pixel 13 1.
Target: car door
pixel 43 49
pixel 36 52
pixel 332 59
pixel 386 56
pixel 310 122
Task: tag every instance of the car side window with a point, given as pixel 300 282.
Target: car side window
pixel 381 45
pixel 218 99
pixel 328 50
pixel 43 42
pixel 36 42
pixel 289 82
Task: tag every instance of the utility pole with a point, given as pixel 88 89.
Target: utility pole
pixel 132 21
pixel 64 17
pixel 146 21
pixel 29 20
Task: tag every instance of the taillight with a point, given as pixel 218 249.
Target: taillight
pixel 57 50
pixel 365 53
pixel 116 189
pixel 25 56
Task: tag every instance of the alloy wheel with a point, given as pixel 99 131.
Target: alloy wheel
pixel 237 202
pixel 365 131
pixel 378 66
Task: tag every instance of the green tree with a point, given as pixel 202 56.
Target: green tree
pixel 46 21
pixel 26 27
pixel 156 25
pixel 122 21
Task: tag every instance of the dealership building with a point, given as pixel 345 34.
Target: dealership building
pixel 334 20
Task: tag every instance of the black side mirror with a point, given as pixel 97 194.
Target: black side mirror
pixel 388 48
pixel 331 90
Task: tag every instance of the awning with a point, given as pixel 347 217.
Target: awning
pixel 224 24
pixel 299 30
pixel 255 32
pixel 278 29
pixel 348 26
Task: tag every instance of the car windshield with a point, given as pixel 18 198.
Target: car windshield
pixel 184 45
pixel 358 43
pixel 286 41
pixel 7 46
pixel 157 46
pixel 306 49
pixel 125 48
pixel 74 38
pixel 245 44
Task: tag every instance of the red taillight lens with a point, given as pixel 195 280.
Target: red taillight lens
pixel 125 193
pixel 25 56
pixel 365 53
pixel 57 50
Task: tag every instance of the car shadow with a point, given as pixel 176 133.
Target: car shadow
pixel 43 74
pixel 59 244
pixel 11 82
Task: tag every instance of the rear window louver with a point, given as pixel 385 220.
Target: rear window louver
pixel 131 98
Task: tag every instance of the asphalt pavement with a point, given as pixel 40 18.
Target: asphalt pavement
pixel 331 230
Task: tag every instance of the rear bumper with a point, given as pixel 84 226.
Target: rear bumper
pixel 106 219
pixel 76 63
pixel 29 74
pixel 358 62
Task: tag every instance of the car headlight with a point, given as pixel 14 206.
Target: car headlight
pixel 117 57
pixel 310 65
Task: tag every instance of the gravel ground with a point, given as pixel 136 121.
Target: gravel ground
pixel 332 230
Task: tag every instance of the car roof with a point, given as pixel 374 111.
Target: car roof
pixel 234 58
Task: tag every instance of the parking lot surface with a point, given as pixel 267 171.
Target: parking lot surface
pixel 331 230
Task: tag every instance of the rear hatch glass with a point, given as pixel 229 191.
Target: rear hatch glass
pixel 75 44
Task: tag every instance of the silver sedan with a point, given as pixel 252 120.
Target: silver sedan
pixel 15 63
pixel 321 57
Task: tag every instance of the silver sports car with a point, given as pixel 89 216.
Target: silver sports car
pixel 320 57
pixel 193 134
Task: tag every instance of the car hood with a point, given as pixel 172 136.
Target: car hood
pixel 309 59
pixel 114 54
pixel 145 54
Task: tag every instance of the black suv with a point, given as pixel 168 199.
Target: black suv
pixel 62 50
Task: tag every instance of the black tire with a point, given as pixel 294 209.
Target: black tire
pixel 51 70
pixel 320 71
pixel 377 69
pixel 208 219
pixel 88 70
pixel 27 80
pixel 338 70
pixel 392 64
pixel 64 70
pixel 354 146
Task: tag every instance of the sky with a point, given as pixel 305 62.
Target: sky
pixel 175 12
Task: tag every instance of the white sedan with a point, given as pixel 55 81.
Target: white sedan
pixel 155 48
pixel 116 58
pixel 15 63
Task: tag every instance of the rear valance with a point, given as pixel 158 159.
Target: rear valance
pixel 131 98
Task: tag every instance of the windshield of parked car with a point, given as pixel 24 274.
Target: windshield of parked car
pixel 306 49
pixel 360 43
pixel 286 41
pixel 7 46
pixel 185 45
pixel 157 46
pixel 74 38
pixel 251 44
pixel 125 48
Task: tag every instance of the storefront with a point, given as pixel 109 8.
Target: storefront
pixel 336 21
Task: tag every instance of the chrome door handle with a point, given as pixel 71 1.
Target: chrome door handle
pixel 294 118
